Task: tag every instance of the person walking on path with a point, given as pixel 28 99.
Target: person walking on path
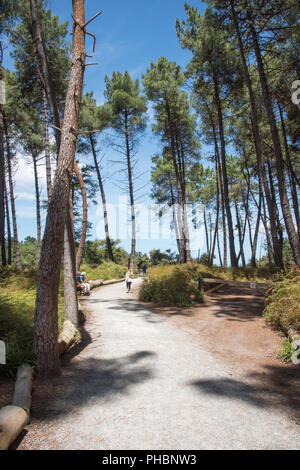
pixel 128 280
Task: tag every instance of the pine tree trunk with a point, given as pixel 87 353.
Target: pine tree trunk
pixel 38 211
pixel 12 199
pixel 103 197
pixel 255 238
pixel 84 217
pixel 285 206
pixel 179 204
pixel 46 321
pixel 131 197
pixel 206 234
pixel 233 258
pixel 257 142
pixel 173 202
pixel 211 260
pixel 2 181
pixel 291 173
pixel 47 146
pixel 221 191
pixel 238 222
pixel 9 258
pixel 43 65
pixel 70 288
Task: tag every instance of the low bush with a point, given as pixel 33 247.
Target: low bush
pixel 172 285
pixel 175 284
pixel 283 301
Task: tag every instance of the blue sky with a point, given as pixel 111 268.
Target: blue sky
pixel 129 36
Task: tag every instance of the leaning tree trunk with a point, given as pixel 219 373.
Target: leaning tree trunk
pixel 12 199
pixel 103 197
pixel 38 210
pixel 285 206
pixel 46 321
pixel 45 75
pixel 84 217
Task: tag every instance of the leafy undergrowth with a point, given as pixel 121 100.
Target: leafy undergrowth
pixel 105 271
pixel 177 284
pixel 17 304
pixel 283 301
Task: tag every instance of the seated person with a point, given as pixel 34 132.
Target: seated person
pixel 79 283
pixel 87 288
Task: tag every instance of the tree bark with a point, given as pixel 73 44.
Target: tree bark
pixel 38 210
pixel 84 217
pixel 70 288
pixel 103 197
pixel 46 321
pixel 47 146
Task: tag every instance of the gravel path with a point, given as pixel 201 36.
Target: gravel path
pixel 142 383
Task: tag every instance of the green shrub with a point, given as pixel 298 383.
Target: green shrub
pixel 286 351
pixel 283 302
pixel 171 285
pixel 174 284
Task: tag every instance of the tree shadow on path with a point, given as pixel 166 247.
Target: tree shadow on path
pixel 274 388
pixel 88 381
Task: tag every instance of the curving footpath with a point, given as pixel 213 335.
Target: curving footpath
pixel 141 383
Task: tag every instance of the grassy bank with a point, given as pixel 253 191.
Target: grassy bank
pixel 105 271
pixel 175 284
pixel 17 303
pixel 283 301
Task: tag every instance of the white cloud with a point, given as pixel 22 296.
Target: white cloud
pixel 27 196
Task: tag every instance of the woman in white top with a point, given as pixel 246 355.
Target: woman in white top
pixel 128 279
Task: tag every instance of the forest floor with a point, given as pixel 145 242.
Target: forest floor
pixel 149 377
